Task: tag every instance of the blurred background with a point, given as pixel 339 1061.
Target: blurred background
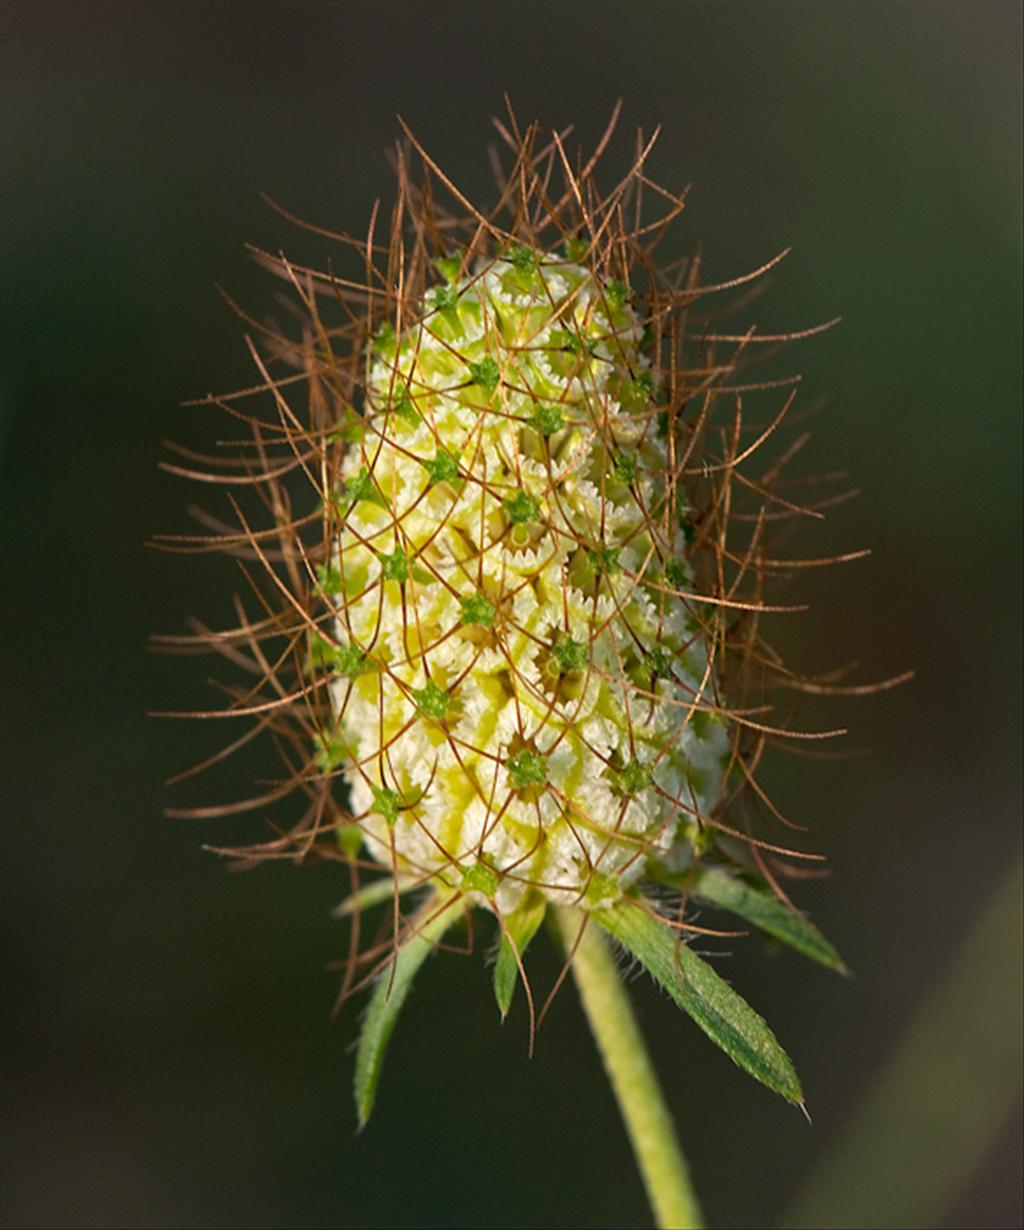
pixel 170 1056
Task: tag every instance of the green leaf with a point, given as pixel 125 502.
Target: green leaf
pixel 764 910
pixel 726 1018
pixel 389 995
pixel 375 892
pixel 522 925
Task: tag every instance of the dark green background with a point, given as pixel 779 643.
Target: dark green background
pixel 170 1057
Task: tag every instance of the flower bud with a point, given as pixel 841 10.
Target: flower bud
pixel 537 696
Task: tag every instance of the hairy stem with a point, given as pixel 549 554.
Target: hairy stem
pixel 626 1061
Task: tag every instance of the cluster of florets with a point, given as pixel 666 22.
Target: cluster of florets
pixel 522 691
pixel 510 585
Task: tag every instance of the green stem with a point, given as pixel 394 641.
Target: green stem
pixel 640 1099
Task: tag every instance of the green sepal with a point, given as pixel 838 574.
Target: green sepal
pixel 448 267
pixel 764 910
pixel 521 277
pixel 386 803
pixel 547 419
pixel 350 429
pixel 334 748
pixel 476 609
pixel 394 566
pixel 445 300
pixel 443 467
pixel 480 878
pixel 431 701
pixel 406 411
pixel 359 488
pixel 486 374
pixel 521 257
pixel 576 248
pixel 656 664
pixel 521 508
pixel 384 340
pixel 675 574
pixel 526 769
pixel 330 579
pixel 574 343
pixel 520 928
pixel 636 776
pixel 389 995
pixel 726 1018
pixel 624 466
pixel 344 659
pixel 618 293
pixel 641 387
pixel 569 654
pixel 603 560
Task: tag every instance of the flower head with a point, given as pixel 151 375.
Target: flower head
pixel 533 506
pixel 509 637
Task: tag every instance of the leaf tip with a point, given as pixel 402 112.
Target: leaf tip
pixel 504 989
